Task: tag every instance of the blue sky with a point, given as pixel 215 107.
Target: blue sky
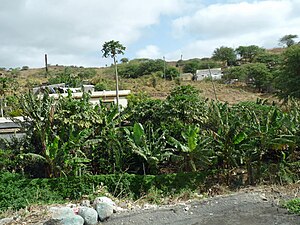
pixel 72 32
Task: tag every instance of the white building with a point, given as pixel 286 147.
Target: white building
pixel 104 96
pixel 215 73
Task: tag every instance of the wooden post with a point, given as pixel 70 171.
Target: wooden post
pixel 1 107
pixel 117 84
pixel 165 68
pixel 212 82
pixel 46 64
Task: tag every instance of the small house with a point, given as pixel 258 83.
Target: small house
pixel 215 74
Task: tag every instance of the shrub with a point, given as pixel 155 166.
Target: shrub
pixel 25 68
pixel 17 192
pixel 293 205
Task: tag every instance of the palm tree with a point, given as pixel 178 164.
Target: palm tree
pixel 112 49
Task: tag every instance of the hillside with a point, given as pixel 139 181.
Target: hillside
pixel 231 93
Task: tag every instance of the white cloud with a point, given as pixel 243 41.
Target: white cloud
pixel 150 52
pixel 233 24
pixel 233 19
pixel 71 29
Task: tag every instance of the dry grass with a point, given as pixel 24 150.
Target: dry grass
pixel 224 92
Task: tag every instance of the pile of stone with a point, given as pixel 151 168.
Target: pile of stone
pixel 85 214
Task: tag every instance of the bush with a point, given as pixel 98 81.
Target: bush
pixel 101 86
pixel 17 192
pixel 25 68
pixel 293 205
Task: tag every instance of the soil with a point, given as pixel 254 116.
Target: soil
pixel 251 206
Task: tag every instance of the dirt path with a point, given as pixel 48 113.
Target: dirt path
pixel 237 209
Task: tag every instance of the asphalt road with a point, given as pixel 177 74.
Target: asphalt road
pixel 236 209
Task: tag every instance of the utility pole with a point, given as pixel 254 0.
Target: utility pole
pixel 212 82
pixel 165 68
pixel 117 83
pixel 1 107
pixel 46 64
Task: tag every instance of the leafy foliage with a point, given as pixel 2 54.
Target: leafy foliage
pixel 150 145
pixel 293 205
pixel 191 66
pixel 20 192
pixel 288 40
pixel 225 54
pixel 254 74
pixel 248 53
pixel 182 133
pixel 72 77
pixel 288 78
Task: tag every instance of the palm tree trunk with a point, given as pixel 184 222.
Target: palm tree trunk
pixel 117 83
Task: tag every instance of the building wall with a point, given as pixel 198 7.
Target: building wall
pixel 216 74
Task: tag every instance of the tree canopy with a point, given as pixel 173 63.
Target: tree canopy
pixel 225 54
pixel 288 79
pixel 288 40
pixel 248 53
pixel 112 49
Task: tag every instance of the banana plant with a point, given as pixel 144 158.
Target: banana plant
pixel 193 149
pixel 106 146
pixel 150 145
pixel 227 133
pixel 268 137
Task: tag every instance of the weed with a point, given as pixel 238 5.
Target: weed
pixel 293 205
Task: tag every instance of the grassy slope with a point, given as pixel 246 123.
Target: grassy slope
pixel 225 92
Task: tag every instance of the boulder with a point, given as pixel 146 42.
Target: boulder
pixel 104 200
pixel 5 221
pixel 70 220
pixel 89 215
pixel 64 216
pixel 104 210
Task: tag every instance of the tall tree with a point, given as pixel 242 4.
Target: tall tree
pixel 225 54
pixel 288 40
pixel 248 53
pixel 288 79
pixel 112 49
pixel 124 60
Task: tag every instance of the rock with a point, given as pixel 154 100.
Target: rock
pixel 85 203
pixel 104 210
pixel 70 220
pixel 74 220
pixel 104 200
pixel 89 215
pixel 5 221
pixel 53 222
pixel 64 216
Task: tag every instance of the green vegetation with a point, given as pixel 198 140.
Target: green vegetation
pixel 288 40
pixel 225 54
pixel 17 192
pixel 181 141
pixel 183 133
pixel 293 205
pixel 191 66
pixel 287 80
pixel 112 49
pixel 72 77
